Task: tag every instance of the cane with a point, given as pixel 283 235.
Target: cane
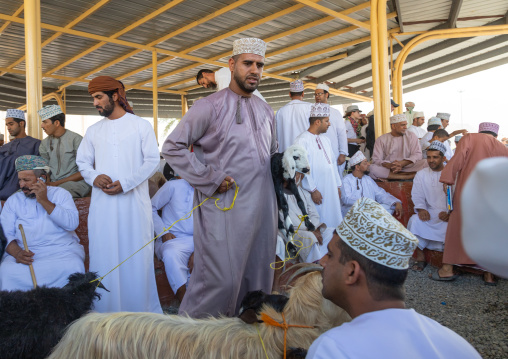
pixel 26 249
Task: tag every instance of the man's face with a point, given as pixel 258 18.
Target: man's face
pixel 332 272
pixel 444 123
pixel 435 160
pixel 420 121
pixel 363 119
pixel 325 123
pixel 208 81
pixel 25 180
pixel 364 167
pixel 48 127
pixel 356 115
pixel 320 96
pixel 392 108
pixel 104 103
pixel 13 127
pixel 247 71
pixel 400 128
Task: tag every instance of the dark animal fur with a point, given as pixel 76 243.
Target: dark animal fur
pixel 33 322
pixel 3 242
pixel 296 353
pixel 253 302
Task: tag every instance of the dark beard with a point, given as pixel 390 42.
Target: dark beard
pixel 29 195
pixel 366 173
pixel 108 110
pixel 212 85
pixel 242 86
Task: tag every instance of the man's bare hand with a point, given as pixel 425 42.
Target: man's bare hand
pixel 399 211
pixel 226 185
pixel 360 140
pixel 341 159
pixel 113 188
pixel 316 197
pixel 319 236
pixel 24 257
pixel 444 216
pixel 40 190
pixel 102 181
pixel 167 237
pixel 424 215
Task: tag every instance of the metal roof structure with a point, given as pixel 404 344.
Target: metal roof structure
pixel 317 41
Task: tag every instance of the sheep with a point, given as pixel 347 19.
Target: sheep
pixel 32 322
pixel 150 335
pixel 284 167
pixel 3 242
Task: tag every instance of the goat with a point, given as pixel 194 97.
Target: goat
pixel 32 322
pixel 284 167
pixel 150 335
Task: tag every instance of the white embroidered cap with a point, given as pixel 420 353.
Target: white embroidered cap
pixel 320 110
pixel 323 86
pixel 418 114
pixel 249 45
pixel 14 113
pixel 398 118
pixel 296 86
pixel 49 111
pixel 434 121
pixel 443 115
pixel 437 146
pixel 374 233
pixel 357 158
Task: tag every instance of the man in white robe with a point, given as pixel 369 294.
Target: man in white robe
pixel 324 181
pixel 358 184
pixel 174 246
pixel 364 273
pixel 49 217
pixel 117 157
pixel 337 133
pixel 233 136
pixel 445 121
pixel 417 123
pixel 431 220
pixel 218 80
pixel 410 113
pixel 293 118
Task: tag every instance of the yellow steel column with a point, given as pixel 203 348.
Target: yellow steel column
pixel 384 80
pixel 155 111
pixel 184 105
pixel 32 13
pixel 374 45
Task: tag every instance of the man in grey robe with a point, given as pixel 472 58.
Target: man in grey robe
pixel 19 146
pixel 233 136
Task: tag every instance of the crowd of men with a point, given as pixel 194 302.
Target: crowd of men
pixel 221 151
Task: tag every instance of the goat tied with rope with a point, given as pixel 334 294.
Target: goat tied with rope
pixel 150 335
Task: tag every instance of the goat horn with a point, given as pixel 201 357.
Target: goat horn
pixel 309 268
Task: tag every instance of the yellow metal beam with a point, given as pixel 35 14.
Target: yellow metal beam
pixel 333 13
pixel 162 39
pixel 313 63
pixel 49 96
pixel 7 23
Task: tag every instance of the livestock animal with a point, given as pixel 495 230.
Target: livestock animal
pixel 32 322
pixel 150 335
pixel 3 242
pixel 284 167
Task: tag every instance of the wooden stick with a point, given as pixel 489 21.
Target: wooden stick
pixel 26 249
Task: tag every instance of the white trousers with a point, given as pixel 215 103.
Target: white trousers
pixel 175 254
pixel 429 244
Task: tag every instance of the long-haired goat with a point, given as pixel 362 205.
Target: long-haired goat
pixel 149 335
pixel 32 322
pixel 284 167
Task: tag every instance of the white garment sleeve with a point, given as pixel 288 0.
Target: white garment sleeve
pixel 151 159
pixel 325 347
pixel 8 220
pixel 381 196
pixel 342 136
pixel 65 214
pixel 160 200
pixel 349 193
pixel 85 159
pixel 222 78
pixel 417 194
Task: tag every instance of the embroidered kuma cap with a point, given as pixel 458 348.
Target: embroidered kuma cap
pixel 323 86
pixel 296 86
pixel 437 146
pixel 443 116
pixel 357 158
pixel 489 126
pixel 320 110
pixel 374 233
pixel 398 118
pixel 49 111
pixel 434 121
pixel 31 162
pixel 249 45
pixel 418 114
pixel 14 113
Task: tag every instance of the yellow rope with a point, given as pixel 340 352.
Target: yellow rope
pixel 187 216
pixel 262 343
pixel 300 245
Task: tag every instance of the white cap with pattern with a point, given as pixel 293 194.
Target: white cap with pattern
pixel 320 110
pixel 374 233
pixel 49 111
pixel 14 113
pixel 249 45
pixel 443 115
pixel 398 118
pixel 296 86
pixel 323 86
pixel 418 114
pixel 357 158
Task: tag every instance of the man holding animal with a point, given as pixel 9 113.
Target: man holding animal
pixel 117 157
pixel 233 136
pixel 364 273
pixel 324 181
pixel 49 217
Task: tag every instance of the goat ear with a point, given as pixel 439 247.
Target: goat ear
pixel 289 165
pixel 249 316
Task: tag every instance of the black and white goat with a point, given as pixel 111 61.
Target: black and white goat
pixel 32 322
pixel 284 167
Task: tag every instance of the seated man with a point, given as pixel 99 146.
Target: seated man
pixel 358 184
pixel 19 146
pixel 49 218
pixel 397 155
pixel 430 223
pixel 416 127
pixel 441 136
pixel 367 280
pixel 59 149
pixel 312 245
pixel 174 247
